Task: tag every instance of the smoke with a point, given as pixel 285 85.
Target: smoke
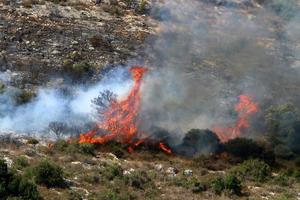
pixel 206 55
pixel 53 104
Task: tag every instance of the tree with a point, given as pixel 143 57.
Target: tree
pixel 283 126
pixel 104 100
pixel 58 128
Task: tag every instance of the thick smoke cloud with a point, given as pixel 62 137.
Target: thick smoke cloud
pixel 52 104
pixel 206 55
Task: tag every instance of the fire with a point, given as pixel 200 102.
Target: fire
pixel 245 108
pixel 165 148
pixel 120 121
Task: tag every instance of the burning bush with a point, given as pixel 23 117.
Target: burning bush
pixel 49 174
pixel 198 141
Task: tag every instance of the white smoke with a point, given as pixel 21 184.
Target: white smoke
pixel 52 105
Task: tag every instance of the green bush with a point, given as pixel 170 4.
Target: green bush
pixel 87 148
pixel 25 96
pixel 253 170
pixel 112 171
pixel 49 174
pixel 74 147
pixel 230 184
pixel 217 185
pixel 32 141
pixel 16 186
pixel 21 162
pixel 79 71
pixel 112 195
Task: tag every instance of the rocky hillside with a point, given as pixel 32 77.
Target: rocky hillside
pixel 40 39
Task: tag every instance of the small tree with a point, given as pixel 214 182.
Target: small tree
pixel 104 100
pixel 58 128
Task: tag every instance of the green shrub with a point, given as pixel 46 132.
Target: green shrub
pixel 112 171
pixel 254 170
pixel 49 174
pixel 79 71
pixel 2 88
pixel 16 186
pixel 32 141
pixel 230 183
pixel 25 96
pixel 60 145
pixel 21 162
pixel 217 185
pixel 87 148
pixel 139 180
pixel 112 195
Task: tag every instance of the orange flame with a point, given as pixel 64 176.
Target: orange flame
pixel 120 120
pixel 245 108
pixel 166 149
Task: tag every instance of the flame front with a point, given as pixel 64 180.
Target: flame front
pixel 120 121
pixel 245 108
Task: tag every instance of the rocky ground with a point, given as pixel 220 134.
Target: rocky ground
pixel 143 174
pixel 39 38
pixel 46 40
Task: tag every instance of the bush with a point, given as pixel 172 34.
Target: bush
pixel 74 147
pixel 87 148
pixel 25 96
pixel 197 142
pixel 253 170
pixel 21 162
pixel 32 141
pixel 230 183
pixel 49 174
pixel 112 171
pixel 243 148
pixel 79 71
pixel 217 185
pixel 247 148
pixel 15 186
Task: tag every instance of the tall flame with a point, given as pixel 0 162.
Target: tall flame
pixel 245 108
pixel 120 121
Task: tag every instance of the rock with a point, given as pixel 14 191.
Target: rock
pixel 129 171
pixel 159 167
pixel 76 163
pixel 55 52
pixel 172 171
pixel 8 161
pixel 188 172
